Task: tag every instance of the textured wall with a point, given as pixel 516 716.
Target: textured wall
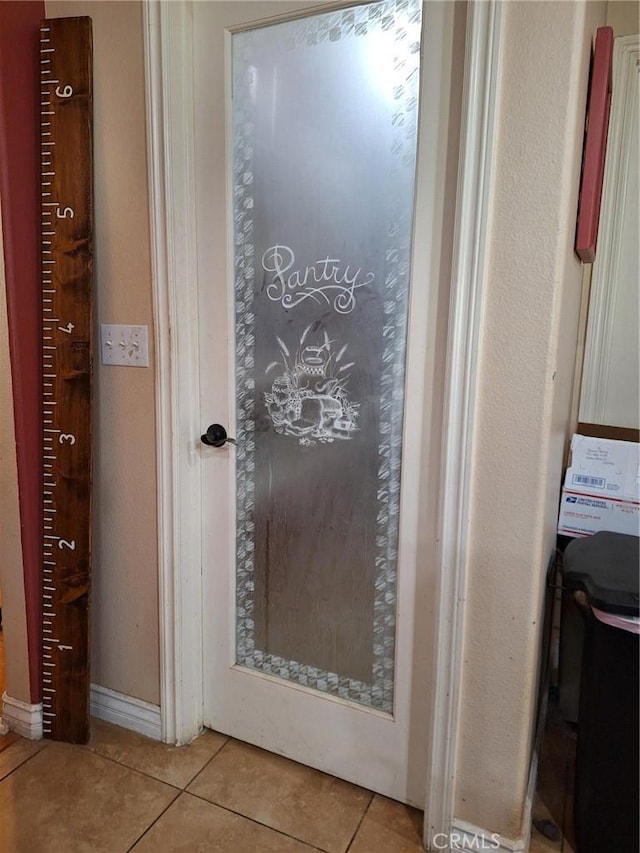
pixel 11 577
pixel 526 369
pixel 125 568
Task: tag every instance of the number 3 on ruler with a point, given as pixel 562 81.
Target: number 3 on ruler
pixel 64 544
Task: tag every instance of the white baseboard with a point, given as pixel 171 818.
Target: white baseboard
pixel 126 711
pixel 472 838
pixel 467 837
pixel 21 717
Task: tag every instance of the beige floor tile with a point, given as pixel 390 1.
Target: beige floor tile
pixel 67 800
pixel 389 827
pixel 172 764
pixel 8 738
pixel 17 753
pixel 191 825
pixel 312 806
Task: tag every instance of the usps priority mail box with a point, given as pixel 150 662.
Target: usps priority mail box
pixel 601 488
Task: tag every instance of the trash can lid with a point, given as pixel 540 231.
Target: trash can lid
pixel 606 566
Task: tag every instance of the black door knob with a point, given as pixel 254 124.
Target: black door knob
pixel 216 436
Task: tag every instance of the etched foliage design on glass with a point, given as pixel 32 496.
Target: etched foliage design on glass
pixel 324 117
pixel 309 395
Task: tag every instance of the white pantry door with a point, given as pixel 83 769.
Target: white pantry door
pixel 317 338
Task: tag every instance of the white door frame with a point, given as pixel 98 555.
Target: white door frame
pixel 170 110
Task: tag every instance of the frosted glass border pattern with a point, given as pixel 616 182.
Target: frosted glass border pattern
pixel 403 18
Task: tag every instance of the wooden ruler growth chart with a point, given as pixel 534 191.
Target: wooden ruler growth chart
pixel 66 269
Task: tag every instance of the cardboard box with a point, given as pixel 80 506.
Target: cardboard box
pixel 601 488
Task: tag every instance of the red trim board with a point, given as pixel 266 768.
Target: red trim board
pixel 595 147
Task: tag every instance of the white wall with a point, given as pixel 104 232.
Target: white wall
pixel 526 368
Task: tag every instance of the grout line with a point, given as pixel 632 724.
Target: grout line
pixel 360 822
pixel 207 763
pixel 179 793
pixel 95 752
pixel 257 822
pixel 22 763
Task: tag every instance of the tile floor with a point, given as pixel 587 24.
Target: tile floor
pixel 124 792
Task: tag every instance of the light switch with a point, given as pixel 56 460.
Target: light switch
pixel 127 345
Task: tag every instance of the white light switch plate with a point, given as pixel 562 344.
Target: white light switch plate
pixel 128 345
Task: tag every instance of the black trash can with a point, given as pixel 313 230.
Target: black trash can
pixel 606 809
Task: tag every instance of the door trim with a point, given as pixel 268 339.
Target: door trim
pixel 170 109
pixel 169 102
pixel 479 98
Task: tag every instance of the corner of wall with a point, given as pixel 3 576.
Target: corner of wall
pixel 526 370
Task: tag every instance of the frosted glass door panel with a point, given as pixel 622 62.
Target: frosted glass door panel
pixel 324 122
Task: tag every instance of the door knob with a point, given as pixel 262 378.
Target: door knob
pixel 216 436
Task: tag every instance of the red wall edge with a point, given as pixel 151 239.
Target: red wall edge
pixel 20 197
